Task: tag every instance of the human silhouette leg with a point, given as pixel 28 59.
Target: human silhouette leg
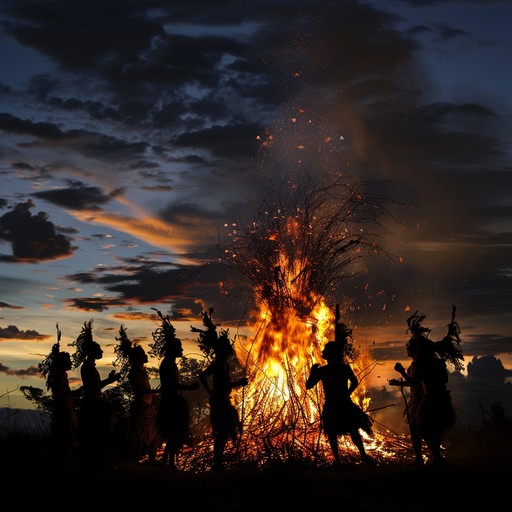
pixel 333 442
pixel 151 450
pixel 173 450
pixel 165 453
pixel 169 454
pixel 416 442
pixel 358 441
pixel 219 445
pixel 433 441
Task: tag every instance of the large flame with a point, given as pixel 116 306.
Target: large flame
pixel 293 257
pixel 289 329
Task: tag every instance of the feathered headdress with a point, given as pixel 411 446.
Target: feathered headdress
pixel 415 327
pixel 123 350
pixel 449 347
pixel 208 338
pixel 47 363
pixel 82 344
pixel 163 336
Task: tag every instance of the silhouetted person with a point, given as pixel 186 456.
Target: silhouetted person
pixel 64 422
pixel 340 415
pixel 173 413
pixel 95 417
pixel 226 424
pixel 429 410
pixel 143 434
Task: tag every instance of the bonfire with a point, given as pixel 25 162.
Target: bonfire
pixel 294 258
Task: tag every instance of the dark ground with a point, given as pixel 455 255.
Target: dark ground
pixel 390 487
pixel 478 477
pixel 351 488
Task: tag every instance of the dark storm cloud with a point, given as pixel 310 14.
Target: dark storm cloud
pixel 488 367
pixel 43 130
pixel 196 82
pixel 446 33
pixel 12 332
pixel 147 165
pixel 25 166
pixel 32 237
pixel 9 306
pixel 83 33
pixel 77 197
pixel 134 69
pixel 144 282
pixel 488 344
pixel 94 303
pixel 230 142
pixel 90 144
pixel 31 371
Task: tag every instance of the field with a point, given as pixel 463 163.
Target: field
pixel 477 477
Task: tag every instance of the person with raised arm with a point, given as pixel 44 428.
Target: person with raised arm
pixel 429 410
pixel 217 381
pixel 173 415
pixel 142 434
pixel 95 419
pixel 64 422
pixel 340 415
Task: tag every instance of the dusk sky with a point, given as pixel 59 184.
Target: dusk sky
pixel 137 135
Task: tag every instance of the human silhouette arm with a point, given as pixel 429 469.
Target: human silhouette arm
pixel 113 376
pixel 405 381
pixel 353 382
pixel 314 376
pixel 203 379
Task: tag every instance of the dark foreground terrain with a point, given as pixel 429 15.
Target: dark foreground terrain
pixel 351 488
pixel 383 487
pixel 478 477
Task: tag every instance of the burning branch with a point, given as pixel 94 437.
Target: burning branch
pixel 295 253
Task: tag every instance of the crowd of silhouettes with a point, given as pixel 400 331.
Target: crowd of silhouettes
pixel 161 417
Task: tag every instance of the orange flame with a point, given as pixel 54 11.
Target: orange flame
pixel 289 331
